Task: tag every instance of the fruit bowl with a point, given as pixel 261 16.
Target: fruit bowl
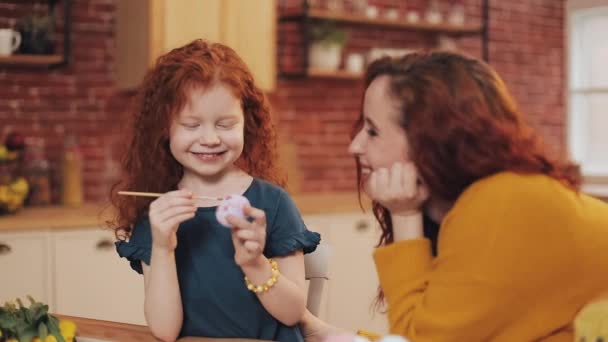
pixel 13 195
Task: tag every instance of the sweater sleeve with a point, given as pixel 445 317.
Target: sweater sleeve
pixel 427 302
pixel 490 268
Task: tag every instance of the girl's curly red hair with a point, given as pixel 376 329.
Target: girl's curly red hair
pixel 462 125
pixel 148 164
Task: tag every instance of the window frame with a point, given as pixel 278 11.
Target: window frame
pixel 595 184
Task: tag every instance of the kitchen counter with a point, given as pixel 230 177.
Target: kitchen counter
pixel 95 215
pixel 97 330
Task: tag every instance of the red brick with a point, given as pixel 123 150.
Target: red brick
pixel 317 114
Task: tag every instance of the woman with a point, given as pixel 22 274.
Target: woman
pixel 519 249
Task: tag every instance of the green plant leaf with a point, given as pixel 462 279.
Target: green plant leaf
pixel 43 331
pixel 327 32
pixel 27 333
pixel 53 325
pixel 7 321
pixel 38 311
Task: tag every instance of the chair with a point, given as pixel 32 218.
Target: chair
pixel 316 265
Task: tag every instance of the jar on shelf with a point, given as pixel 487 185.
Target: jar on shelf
pixel 391 13
pixel 371 11
pixel 412 15
pixel 335 5
pixel 37 172
pixel 359 6
pixel 456 15
pixel 433 14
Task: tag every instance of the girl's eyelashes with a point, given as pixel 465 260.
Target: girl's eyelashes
pixel 220 125
pixel 226 125
pixel 190 125
pixel 372 132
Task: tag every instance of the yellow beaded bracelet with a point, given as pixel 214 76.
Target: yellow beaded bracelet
pixel 269 283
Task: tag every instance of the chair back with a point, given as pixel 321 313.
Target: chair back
pixel 316 266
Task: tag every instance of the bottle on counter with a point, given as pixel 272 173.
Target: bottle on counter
pixel 37 172
pixel 71 173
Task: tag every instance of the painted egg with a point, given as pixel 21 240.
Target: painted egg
pixel 231 205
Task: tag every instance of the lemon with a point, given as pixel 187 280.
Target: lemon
pixel 49 338
pixel 19 186
pixel 3 152
pixel 67 329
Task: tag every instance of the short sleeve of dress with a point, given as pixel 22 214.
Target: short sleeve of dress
pixel 287 231
pixel 139 246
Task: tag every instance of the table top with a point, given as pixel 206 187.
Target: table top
pixel 101 331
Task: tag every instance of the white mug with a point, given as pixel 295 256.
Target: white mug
pixel 9 41
pixel 355 63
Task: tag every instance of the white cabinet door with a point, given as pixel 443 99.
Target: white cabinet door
pixel 354 283
pixel 92 281
pixel 352 289
pixel 24 267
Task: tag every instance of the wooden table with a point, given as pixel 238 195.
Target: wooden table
pixel 121 332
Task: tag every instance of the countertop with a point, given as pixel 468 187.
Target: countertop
pixel 120 332
pixel 96 214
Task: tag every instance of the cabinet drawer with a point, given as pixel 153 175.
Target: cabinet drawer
pixel 92 281
pixel 24 266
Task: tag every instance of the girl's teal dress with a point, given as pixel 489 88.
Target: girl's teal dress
pixel 216 302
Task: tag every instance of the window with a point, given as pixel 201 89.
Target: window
pixel 587 35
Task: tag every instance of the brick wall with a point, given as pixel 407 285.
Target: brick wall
pixel 526 47
pixel 316 114
pixel 79 99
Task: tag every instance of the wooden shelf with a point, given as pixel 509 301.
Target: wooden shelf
pixel 338 74
pixel 344 17
pixel 307 17
pixel 31 60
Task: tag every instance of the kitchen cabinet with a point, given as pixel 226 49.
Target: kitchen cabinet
pixel 92 281
pixel 148 28
pixel 76 272
pixel 352 288
pixel 25 265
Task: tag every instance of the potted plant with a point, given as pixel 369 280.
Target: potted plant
pixel 19 323
pixel 37 32
pixel 327 42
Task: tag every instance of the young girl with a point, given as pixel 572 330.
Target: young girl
pixel 202 127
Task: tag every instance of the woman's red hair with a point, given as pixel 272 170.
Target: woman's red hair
pixel 462 125
pixel 148 164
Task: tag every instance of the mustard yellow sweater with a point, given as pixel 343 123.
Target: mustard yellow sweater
pixel 518 256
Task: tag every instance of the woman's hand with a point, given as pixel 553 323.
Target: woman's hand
pixel 249 238
pixel 166 213
pixel 398 189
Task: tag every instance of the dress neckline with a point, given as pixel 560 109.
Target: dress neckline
pixel 245 193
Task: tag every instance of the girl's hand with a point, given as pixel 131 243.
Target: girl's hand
pixel 398 189
pixel 166 213
pixel 249 238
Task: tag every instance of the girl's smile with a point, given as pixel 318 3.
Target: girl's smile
pixel 206 136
